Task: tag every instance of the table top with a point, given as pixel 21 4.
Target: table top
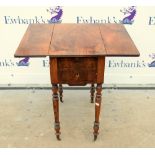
pixel 70 40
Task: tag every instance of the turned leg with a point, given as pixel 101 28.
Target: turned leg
pixel 61 92
pixel 92 91
pixel 97 109
pixel 56 110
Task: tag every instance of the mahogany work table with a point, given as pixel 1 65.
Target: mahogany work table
pixel 77 56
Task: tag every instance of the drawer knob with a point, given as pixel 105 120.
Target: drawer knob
pixel 77 75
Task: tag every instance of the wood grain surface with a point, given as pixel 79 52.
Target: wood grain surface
pixel 72 40
pixel 76 40
pixel 35 41
pixel 117 40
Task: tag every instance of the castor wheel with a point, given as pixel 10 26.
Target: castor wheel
pixel 58 137
pixel 95 137
pixel 61 100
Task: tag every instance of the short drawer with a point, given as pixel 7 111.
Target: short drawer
pixel 77 71
pixel 77 77
pixel 76 63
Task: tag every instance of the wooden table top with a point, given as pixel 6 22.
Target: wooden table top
pixel 70 40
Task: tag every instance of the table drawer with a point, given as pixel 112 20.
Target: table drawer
pixel 77 71
pixel 77 77
pixel 76 63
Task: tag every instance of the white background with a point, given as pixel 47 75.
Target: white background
pixel 140 31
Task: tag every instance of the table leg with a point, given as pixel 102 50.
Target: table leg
pixel 56 110
pixel 92 91
pixel 97 109
pixel 61 92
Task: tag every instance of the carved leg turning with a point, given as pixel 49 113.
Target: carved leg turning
pixel 61 92
pixel 92 91
pixel 56 110
pixel 97 109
